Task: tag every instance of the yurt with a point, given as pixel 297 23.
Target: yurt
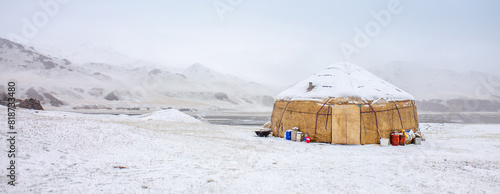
pixel 344 104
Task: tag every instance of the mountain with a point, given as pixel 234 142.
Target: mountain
pixel 230 84
pixel 55 82
pixel 90 52
pixel 202 73
pixel 62 84
pixel 444 90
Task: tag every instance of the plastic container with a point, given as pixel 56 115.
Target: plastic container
pixel 409 135
pixel 394 138
pixel 384 142
pixel 417 141
pixel 299 136
pixel 402 139
pixel 288 134
pixel 308 140
pixel 294 135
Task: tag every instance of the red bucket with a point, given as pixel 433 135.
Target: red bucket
pixel 394 138
pixel 402 139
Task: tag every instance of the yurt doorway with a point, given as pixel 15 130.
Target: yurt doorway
pixel 346 123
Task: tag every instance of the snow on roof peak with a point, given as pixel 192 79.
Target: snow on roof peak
pixel 344 79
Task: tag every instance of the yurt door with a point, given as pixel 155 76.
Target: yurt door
pixel 346 124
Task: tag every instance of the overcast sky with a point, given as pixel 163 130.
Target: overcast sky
pixel 273 41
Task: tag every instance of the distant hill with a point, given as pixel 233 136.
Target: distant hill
pixel 61 84
pixel 439 90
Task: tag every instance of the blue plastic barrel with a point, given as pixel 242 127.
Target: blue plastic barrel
pixel 288 134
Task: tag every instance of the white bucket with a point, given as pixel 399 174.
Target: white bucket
pixel 294 135
pixel 417 141
pixel 299 136
pixel 384 142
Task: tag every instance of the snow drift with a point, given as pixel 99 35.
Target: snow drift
pixel 171 115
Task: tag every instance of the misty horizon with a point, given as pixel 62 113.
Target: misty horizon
pixel 256 40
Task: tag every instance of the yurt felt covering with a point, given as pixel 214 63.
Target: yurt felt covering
pixel 366 122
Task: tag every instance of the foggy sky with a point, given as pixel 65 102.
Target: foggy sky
pixel 278 42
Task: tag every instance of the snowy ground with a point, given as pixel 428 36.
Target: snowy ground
pixel 69 152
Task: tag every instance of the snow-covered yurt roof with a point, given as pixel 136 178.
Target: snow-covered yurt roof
pixel 344 79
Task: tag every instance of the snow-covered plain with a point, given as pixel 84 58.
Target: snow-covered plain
pixel 70 153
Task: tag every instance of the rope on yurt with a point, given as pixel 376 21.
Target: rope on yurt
pixel 326 122
pixel 313 113
pixel 388 109
pixel 284 110
pixel 376 120
pixel 317 114
pixel 400 120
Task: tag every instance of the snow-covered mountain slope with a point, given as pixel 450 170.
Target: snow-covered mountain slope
pixel 227 83
pixel 202 73
pixel 107 86
pixel 444 90
pixel 90 52
pixel 197 82
pixel 429 83
pixel 51 80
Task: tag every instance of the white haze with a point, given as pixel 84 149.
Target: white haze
pixel 278 42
